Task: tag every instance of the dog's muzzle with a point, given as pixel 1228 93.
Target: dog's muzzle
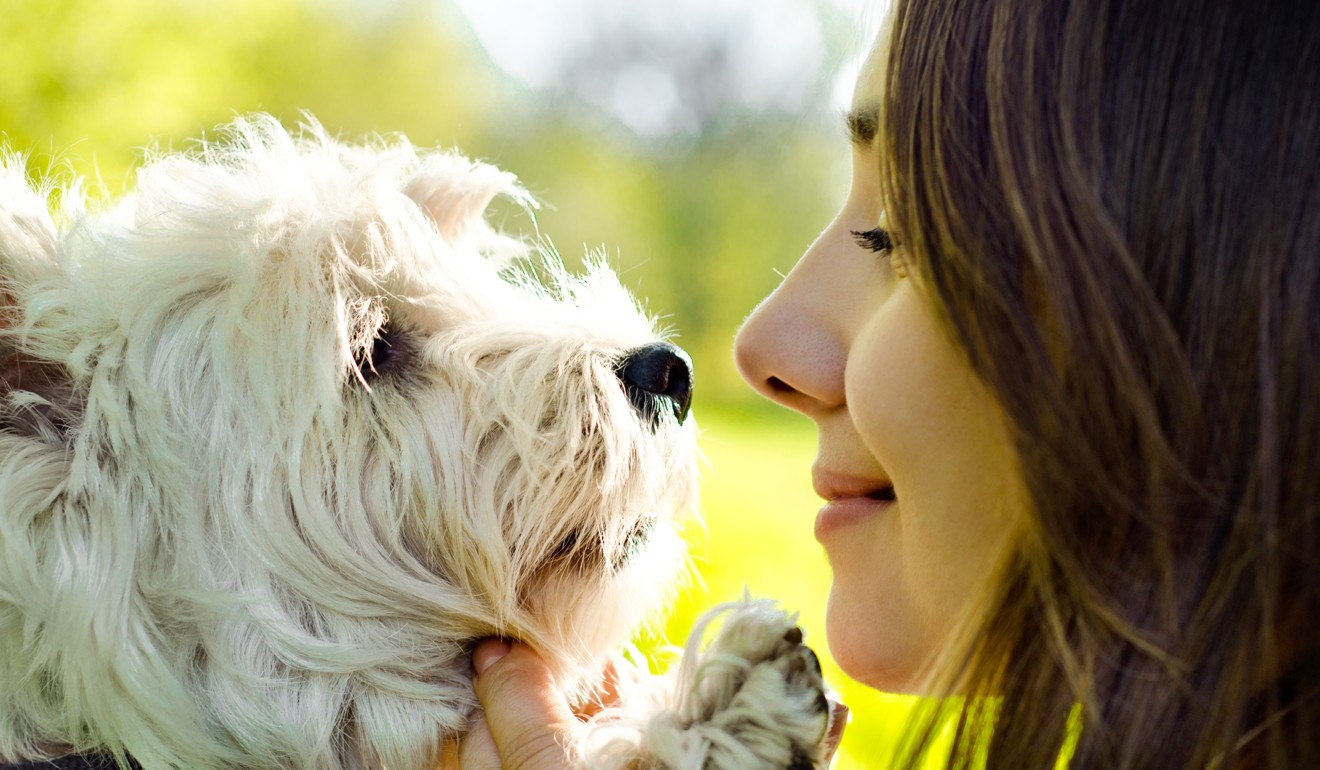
pixel 657 377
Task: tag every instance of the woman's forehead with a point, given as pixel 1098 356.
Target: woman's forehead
pixel 868 92
pixel 871 76
pixel 870 79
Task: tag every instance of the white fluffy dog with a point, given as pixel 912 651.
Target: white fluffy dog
pixel 283 433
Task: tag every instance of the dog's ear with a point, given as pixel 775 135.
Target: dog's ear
pixel 34 392
pixel 455 192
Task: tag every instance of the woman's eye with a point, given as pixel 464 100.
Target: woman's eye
pixel 881 242
pixel 876 239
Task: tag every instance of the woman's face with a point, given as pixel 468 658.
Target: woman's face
pixel 914 462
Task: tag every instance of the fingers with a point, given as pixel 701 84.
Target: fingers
pixel 527 724
pixel 477 750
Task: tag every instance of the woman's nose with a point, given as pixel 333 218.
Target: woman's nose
pixel 791 349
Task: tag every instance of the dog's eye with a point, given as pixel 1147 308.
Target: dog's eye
pixel 387 354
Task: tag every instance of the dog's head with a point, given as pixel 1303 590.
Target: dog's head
pixel 285 430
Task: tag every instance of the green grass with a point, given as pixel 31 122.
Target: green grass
pixel 759 509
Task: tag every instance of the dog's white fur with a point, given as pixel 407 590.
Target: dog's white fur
pixel 232 538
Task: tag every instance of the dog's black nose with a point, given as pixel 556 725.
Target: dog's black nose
pixel 657 376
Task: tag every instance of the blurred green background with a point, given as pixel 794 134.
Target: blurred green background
pixel 698 144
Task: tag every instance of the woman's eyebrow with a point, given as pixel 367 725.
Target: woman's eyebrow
pixel 863 123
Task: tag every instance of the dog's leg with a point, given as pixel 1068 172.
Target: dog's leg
pixel 753 699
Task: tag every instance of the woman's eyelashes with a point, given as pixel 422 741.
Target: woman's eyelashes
pixel 879 240
pixel 876 239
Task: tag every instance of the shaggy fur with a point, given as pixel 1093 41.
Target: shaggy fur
pixel 283 433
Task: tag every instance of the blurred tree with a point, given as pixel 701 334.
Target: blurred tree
pixel 88 83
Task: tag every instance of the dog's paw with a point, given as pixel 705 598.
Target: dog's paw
pixel 755 697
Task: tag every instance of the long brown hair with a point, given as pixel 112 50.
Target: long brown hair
pixel 1115 206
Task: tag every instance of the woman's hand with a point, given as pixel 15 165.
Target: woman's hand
pixel 527 724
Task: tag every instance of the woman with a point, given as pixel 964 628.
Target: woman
pixel 1062 346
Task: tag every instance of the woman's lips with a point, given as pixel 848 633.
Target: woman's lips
pixel 848 499
pixel 844 511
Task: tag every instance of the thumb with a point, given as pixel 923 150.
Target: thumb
pixel 528 722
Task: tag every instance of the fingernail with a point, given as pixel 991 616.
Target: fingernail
pixel 487 652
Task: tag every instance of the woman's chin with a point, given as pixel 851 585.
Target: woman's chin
pixel 861 647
